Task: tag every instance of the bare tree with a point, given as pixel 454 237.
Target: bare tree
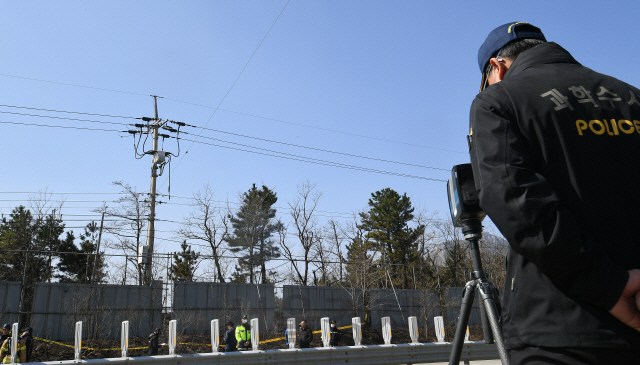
pixel 307 229
pixel 321 253
pixel 46 211
pixel 493 251
pixel 133 210
pixel 455 253
pixel 335 235
pixel 429 251
pixel 210 224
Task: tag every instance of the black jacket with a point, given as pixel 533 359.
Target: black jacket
pixel 28 343
pixel 230 340
pixel 153 344
pixel 555 150
pixel 305 336
pixel 336 335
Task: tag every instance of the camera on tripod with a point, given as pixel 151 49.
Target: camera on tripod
pixel 464 202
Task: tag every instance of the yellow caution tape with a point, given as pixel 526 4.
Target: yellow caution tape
pixel 88 348
pixel 319 331
pixel 273 340
pixel 57 343
pixel 182 343
pixel 194 344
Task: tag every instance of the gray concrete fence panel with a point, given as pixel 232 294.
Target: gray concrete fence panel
pixel 9 302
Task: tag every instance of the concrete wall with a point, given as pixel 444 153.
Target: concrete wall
pixel 420 303
pixel 423 304
pixel 453 302
pixel 101 308
pixel 9 302
pixel 314 302
pixel 196 304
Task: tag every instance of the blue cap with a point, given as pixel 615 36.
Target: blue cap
pixel 502 35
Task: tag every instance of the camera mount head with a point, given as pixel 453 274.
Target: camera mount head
pixel 464 202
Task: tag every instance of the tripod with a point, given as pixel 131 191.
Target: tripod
pixel 472 230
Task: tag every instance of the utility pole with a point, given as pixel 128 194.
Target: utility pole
pixel 152 197
pixel 151 126
pixel 97 256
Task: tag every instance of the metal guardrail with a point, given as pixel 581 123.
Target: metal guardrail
pixel 415 353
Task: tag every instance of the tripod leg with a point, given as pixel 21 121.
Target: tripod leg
pixel 463 320
pixel 486 293
pixel 486 326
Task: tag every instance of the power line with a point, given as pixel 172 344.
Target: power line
pixel 234 83
pixel 73 119
pixel 321 162
pixel 64 127
pixel 318 149
pixel 293 157
pixel 159 194
pixel 216 108
pixel 239 135
pixel 74 85
pixel 68 112
pixel 339 132
pixel 319 128
pixel 58 193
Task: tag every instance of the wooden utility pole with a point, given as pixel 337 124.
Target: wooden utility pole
pixel 152 197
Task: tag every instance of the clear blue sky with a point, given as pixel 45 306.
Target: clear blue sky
pixel 389 80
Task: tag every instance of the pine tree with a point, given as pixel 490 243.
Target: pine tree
pixel 387 224
pixel 185 264
pixel 27 247
pixel 76 264
pixel 253 226
pixel 28 241
pixel 239 275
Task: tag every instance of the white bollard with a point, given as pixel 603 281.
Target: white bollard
pixel 172 336
pixel 291 332
pixel 357 330
pixel 326 333
pixel 215 335
pixel 255 334
pixel 439 326
pixel 124 339
pixel 466 337
pixel 413 329
pixel 386 330
pixel 78 347
pixel 14 343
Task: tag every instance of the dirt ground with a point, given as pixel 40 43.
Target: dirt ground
pixel 44 351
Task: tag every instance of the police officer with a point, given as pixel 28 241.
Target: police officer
pixel 243 334
pixel 153 342
pixel 26 343
pixel 6 332
pixel 335 334
pixel 555 150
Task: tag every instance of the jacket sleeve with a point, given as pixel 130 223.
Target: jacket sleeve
pixel 238 338
pixel 528 212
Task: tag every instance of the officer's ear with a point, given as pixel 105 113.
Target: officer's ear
pixel 499 67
